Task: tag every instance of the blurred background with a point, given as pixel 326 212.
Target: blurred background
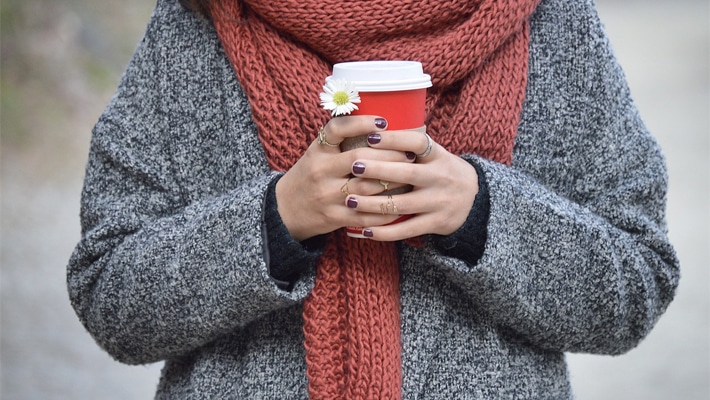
pixel 61 61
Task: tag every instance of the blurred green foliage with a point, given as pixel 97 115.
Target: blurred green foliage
pixel 59 63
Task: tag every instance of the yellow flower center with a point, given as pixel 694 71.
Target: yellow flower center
pixel 341 98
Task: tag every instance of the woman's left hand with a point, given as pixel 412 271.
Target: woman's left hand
pixel 444 188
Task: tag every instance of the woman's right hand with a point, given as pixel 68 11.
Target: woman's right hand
pixel 309 196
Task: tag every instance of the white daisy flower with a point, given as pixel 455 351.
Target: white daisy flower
pixel 339 96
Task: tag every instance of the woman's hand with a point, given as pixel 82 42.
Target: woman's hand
pixel 310 196
pixel 444 187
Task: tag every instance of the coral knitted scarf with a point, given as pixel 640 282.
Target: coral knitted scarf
pixel 476 53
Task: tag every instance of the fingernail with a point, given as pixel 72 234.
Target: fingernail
pixel 374 138
pixel 368 233
pixel 381 123
pixel 352 203
pixel 410 155
pixel 358 168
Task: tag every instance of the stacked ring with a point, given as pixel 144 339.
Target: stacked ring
pixel 323 140
pixel 389 207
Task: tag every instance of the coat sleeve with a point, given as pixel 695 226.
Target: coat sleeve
pixel 172 252
pixel 577 256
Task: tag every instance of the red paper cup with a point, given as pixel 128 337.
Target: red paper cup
pixel 394 90
pixel 402 110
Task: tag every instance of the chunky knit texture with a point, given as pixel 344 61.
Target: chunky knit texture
pixel 172 264
pixel 476 52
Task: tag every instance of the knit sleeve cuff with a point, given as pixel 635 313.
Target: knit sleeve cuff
pixel 286 258
pixel 469 241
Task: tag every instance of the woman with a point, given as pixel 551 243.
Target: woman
pixel 216 194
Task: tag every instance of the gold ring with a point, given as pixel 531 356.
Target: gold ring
pixel 390 204
pixel 429 146
pixel 344 188
pixel 322 139
pixel 384 183
pixel 389 207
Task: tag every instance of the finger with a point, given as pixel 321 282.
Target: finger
pixel 406 204
pixel 384 155
pixel 430 146
pixel 410 173
pixel 402 140
pixel 369 187
pixel 413 226
pixel 394 140
pixel 322 141
pixel 321 166
pixel 328 157
pixel 338 164
pixel 358 219
pixel 337 129
pixel 409 226
pixel 323 162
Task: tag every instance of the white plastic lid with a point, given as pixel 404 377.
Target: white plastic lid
pixel 382 76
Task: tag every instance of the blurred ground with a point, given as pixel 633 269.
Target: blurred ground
pixel 60 63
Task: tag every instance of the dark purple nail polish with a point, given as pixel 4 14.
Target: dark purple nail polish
pixel 352 203
pixel 368 233
pixel 381 123
pixel 410 155
pixel 358 168
pixel 374 138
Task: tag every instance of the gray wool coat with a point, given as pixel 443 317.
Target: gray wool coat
pixel 172 265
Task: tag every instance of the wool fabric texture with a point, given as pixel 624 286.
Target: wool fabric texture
pixel 173 263
pixel 476 53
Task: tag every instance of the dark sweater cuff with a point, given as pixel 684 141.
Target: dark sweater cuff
pixel 469 241
pixel 286 258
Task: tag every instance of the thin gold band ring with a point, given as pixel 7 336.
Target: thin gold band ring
pixel 323 140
